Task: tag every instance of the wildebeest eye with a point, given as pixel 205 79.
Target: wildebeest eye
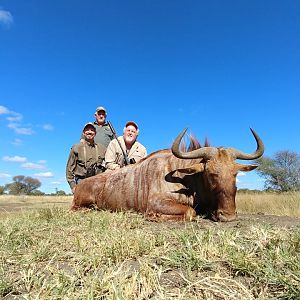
pixel 212 180
pixel 213 177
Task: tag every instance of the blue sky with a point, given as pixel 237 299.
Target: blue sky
pixel 216 67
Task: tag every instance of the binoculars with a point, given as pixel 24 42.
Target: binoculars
pixel 132 161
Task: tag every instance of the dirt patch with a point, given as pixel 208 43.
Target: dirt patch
pixel 19 206
pixel 243 222
pixel 282 221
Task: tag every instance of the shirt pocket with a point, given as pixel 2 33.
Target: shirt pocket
pixel 137 155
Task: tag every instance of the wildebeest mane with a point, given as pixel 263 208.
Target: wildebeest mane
pixel 193 144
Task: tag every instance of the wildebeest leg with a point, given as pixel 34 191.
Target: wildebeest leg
pixel 168 209
pixel 75 207
pixel 82 198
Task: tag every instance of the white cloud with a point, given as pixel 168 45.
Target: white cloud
pixel 48 127
pixel 56 182
pixel 32 166
pixel 3 110
pixel 239 174
pixel 26 131
pixel 13 116
pixel 4 175
pixel 20 130
pixel 42 161
pixel 14 119
pixel 44 175
pixel 6 18
pixel 17 142
pixel 12 125
pixel 16 158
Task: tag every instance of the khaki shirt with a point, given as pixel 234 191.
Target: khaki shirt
pixel 81 157
pixel 114 157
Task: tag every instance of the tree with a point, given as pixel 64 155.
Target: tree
pixel 60 193
pixel 2 189
pixel 281 173
pixel 38 193
pixel 22 185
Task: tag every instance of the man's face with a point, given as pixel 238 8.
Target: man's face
pixel 100 117
pixel 130 134
pixel 89 132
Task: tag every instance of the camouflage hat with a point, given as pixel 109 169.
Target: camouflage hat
pixel 100 108
pixel 89 124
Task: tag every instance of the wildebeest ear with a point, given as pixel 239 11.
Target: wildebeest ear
pixel 246 168
pixel 192 169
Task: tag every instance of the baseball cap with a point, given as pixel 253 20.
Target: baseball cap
pixel 133 124
pixel 89 124
pixel 99 108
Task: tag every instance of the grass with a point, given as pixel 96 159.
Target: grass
pixel 12 203
pixel 51 253
pixel 280 204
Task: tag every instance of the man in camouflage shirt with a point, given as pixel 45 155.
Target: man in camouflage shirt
pixel 85 159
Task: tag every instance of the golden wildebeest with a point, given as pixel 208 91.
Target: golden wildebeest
pixel 172 184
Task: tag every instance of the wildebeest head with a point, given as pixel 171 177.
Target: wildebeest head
pixel 218 170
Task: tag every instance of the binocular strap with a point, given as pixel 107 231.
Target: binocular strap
pixel 84 154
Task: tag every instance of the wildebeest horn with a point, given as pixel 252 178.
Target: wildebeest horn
pixel 206 152
pixel 209 152
pixel 258 153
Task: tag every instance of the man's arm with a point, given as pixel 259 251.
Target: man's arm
pixel 111 157
pixel 126 159
pixel 71 164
